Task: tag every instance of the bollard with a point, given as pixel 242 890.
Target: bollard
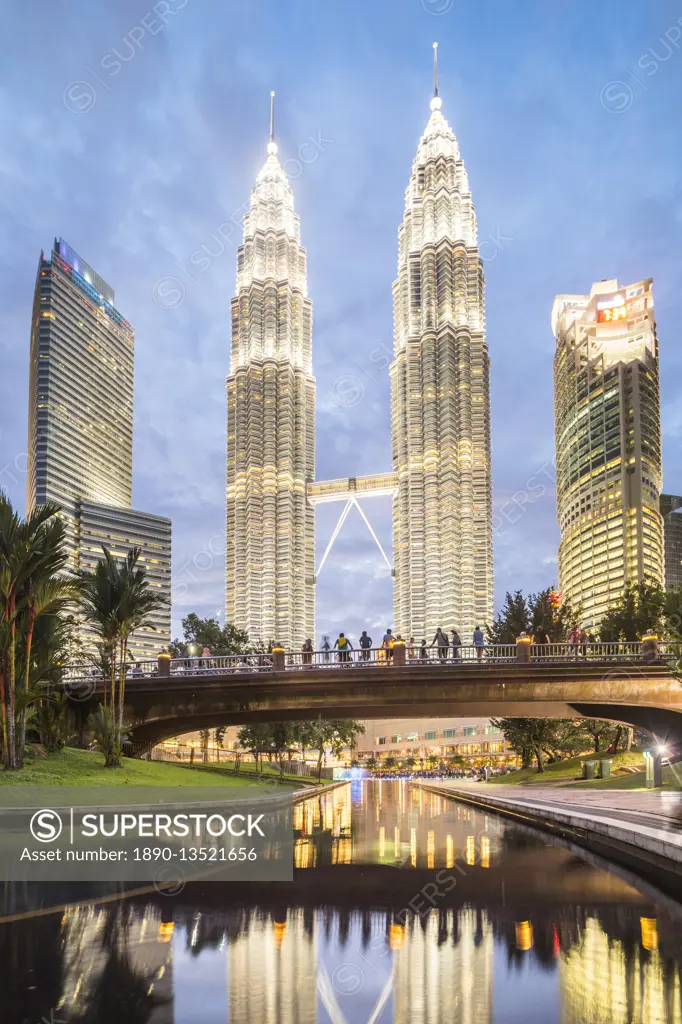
pixel 278 659
pixel 523 643
pixel 399 653
pixel 163 662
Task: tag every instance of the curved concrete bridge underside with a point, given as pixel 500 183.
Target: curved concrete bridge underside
pixel 646 696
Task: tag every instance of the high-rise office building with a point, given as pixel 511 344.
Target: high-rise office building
pixel 440 401
pixel 608 444
pixel 671 510
pixel 80 439
pixel 119 530
pixel 270 524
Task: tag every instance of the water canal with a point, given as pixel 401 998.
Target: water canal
pixel 406 907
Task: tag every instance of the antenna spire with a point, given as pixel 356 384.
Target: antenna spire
pixel 272 145
pixel 436 102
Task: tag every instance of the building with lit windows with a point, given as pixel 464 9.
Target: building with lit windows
pixel 608 444
pixel 80 441
pixel 440 400
pixel 671 506
pixel 445 737
pixel 270 537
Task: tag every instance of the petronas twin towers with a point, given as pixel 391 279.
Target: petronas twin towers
pixel 440 412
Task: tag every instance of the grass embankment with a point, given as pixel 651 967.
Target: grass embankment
pixel 73 767
pixel 267 773
pixel 672 780
pixel 566 772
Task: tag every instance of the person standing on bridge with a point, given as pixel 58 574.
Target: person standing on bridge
pixel 387 643
pixel 307 650
pixel 442 640
pixel 479 642
pixel 326 648
pixel 456 644
pixel 343 646
pixel 365 645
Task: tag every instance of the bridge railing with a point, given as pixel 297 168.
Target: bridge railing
pixel 83 680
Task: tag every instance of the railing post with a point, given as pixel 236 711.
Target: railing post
pixel 163 662
pixel 649 647
pixel 523 643
pixel 399 652
pixel 278 664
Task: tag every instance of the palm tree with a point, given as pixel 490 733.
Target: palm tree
pixel 31 560
pixel 118 600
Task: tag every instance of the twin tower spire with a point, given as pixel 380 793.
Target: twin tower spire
pixel 440 411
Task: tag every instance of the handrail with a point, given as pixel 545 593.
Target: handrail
pixel 82 679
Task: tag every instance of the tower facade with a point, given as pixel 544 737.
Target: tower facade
pixel 440 400
pixel 80 430
pixel 270 535
pixel 608 444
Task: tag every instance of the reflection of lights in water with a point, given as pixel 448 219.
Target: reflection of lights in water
pixel 438 981
pixel 485 851
pixel 413 847
pixel 601 983
pixel 166 929
pixel 396 842
pixel 649 932
pixel 449 851
pixel 304 854
pixel 470 855
pixel 524 935
pixel 382 842
pixel 396 937
pixel 431 849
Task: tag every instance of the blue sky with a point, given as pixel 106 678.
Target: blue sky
pixel 135 132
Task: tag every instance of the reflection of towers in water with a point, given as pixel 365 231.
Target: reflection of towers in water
pixel 603 983
pixel 272 973
pixel 450 982
pixel 95 966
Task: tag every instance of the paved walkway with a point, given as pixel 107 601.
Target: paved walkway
pixel 649 822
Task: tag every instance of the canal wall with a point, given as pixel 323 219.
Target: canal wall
pixel 652 848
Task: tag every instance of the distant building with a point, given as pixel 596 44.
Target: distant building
pixel 80 439
pixel 471 738
pixel 672 538
pixel 119 530
pixel 608 444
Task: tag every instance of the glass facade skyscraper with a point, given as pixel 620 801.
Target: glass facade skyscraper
pixel 608 444
pixel 80 440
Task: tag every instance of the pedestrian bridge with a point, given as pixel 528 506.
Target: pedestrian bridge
pixel 630 683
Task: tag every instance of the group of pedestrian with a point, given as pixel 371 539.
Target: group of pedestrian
pixel 384 653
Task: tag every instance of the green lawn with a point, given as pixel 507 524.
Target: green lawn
pixel 83 768
pixel 270 772
pixel 570 769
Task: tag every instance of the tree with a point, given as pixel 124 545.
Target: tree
pixel 640 609
pixel 513 619
pixel 372 763
pixel 433 761
pixel 530 737
pixel 255 738
pixel 546 620
pixel 390 762
pixel 220 640
pixel 116 596
pixel 410 762
pixel 602 733
pixel 33 584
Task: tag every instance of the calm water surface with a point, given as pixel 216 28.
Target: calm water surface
pixel 406 907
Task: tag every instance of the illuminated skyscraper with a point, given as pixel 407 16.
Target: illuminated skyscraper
pixel 608 444
pixel 440 402
pixel 271 423
pixel 671 504
pixel 80 433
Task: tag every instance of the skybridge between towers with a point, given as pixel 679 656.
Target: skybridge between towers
pixel 348 490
